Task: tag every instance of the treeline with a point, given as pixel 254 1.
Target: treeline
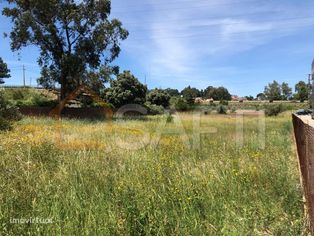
pixel 127 89
pixel 276 91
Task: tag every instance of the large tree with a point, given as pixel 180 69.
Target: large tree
pixel 217 94
pixel 126 89
pixel 286 91
pixel 173 92
pixel 189 94
pixel 158 97
pixel 208 92
pixel 220 94
pixel 4 71
pixel 273 91
pixel 302 91
pixel 75 38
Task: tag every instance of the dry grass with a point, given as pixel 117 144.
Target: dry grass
pixel 101 178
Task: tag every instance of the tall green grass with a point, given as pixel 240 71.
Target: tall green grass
pixel 169 189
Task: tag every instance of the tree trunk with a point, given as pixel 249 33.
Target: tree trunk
pixel 63 88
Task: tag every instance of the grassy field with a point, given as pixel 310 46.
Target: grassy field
pixel 119 178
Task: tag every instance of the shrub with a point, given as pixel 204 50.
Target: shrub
pixel 224 102
pixel 19 94
pixel 169 118
pixel 28 97
pixel 221 109
pixel 180 104
pixel 213 105
pixel 257 107
pixel 154 109
pixel 42 101
pixel 233 109
pixel 274 110
pixel 5 124
pixel 207 111
pixel 8 113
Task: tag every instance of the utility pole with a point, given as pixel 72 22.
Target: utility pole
pixel 24 76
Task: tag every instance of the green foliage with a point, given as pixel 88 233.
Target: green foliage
pixel 221 93
pixel 5 124
pixel 249 98
pixel 172 92
pixel 274 110
pixel 154 109
pixel 169 118
pixel 217 94
pixel 233 109
pixel 224 102
pixel 286 91
pixel 4 71
pixel 257 107
pixel 126 89
pixel 221 109
pixel 18 94
pixel 75 38
pixel 97 79
pixel 208 92
pixel 42 101
pixel 302 91
pixel 189 94
pixel 273 91
pixel 28 97
pixel 158 97
pixel 8 113
pixel 261 96
pixel 180 104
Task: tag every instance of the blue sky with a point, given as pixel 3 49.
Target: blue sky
pixel 241 45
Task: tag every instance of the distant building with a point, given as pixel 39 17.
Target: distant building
pixel 200 100
pixel 236 98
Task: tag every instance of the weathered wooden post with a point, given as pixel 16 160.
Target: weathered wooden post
pixel 312 93
pixel 303 122
pixel 304 136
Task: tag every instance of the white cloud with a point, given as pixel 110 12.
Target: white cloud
pixel 188 40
